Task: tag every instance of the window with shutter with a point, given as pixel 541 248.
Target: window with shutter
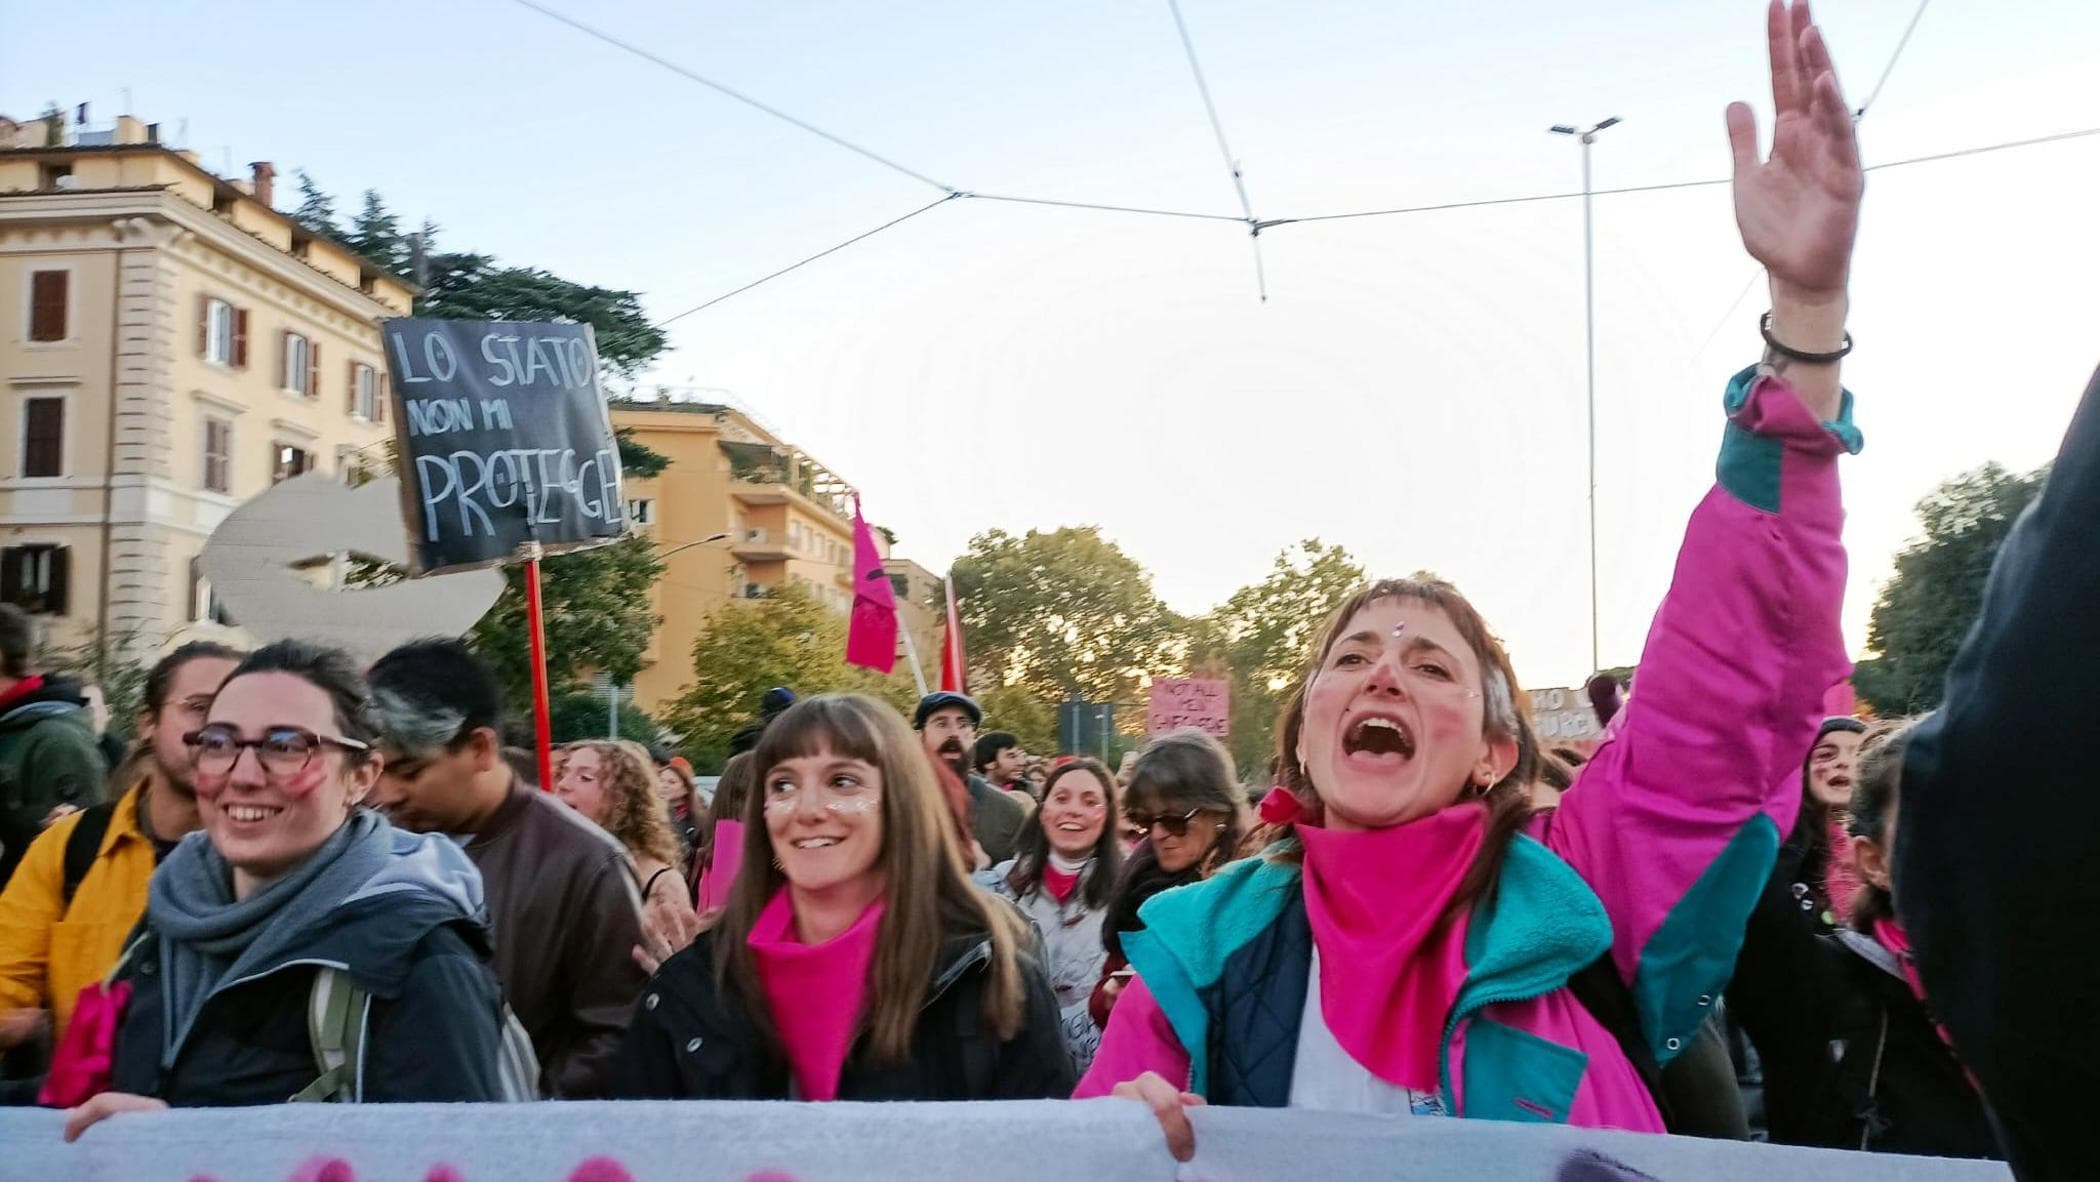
pixel 299 361
pixel 288 461
pixel 36 578
pixel 43 437
pixel 219 334
pixel 218 455
pixel 47 305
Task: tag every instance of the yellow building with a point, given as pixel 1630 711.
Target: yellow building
pixel 922 609
pixel 737 512
pixel 170 346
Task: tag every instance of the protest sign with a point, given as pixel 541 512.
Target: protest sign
pixel 504 440
pixel 1200 702
pixel 697 1141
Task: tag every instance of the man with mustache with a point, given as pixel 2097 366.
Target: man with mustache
pixel 947 725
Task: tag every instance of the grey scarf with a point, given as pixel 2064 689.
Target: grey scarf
pixel 208 939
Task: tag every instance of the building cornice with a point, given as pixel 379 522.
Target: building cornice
pixel 124 211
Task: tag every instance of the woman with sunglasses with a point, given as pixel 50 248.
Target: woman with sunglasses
pixel 1417 941
pixel 855 961
pixel 1184 807
pixel 213 997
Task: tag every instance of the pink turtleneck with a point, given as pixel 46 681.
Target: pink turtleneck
pixel 813 991
pixel 1391 968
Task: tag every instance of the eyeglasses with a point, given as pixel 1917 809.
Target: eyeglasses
pixel 1176 825
pixel 282 751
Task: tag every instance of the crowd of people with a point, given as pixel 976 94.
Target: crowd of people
pixel 310 880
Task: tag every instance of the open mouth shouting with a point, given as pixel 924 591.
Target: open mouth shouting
pixel 1378 740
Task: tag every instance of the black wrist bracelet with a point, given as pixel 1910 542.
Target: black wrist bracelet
pixel 1764 326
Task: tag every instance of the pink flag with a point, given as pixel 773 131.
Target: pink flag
pixel 871 634
pixel 955 675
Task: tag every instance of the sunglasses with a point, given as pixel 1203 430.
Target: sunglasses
pixel 283 751
pixel 1175 824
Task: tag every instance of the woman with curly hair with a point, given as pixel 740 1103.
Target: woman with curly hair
pixel 614 784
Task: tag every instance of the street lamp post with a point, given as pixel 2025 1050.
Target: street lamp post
pixel 1589 328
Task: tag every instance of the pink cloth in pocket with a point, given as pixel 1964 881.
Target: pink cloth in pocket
pixel 81 1067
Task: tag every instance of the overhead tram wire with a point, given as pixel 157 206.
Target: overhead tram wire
pixel 1894 57
pixel 1232 164
pixel 796 266
pixel 732 92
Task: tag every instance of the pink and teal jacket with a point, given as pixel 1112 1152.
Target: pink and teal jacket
pixel 1655 856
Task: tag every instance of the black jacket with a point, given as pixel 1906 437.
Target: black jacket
pixel 688 1041
pixel 434 1032
pixel 1998 828
pixel 1851 1057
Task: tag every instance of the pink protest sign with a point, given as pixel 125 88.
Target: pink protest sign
pixel 1200 702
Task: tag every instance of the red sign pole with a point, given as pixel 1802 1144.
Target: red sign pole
pixel 536 627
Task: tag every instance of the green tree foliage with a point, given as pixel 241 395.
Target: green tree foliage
pixel 316 209
pixel 376 234
pixel 1925 610
pixel 1064 613
pixel 1013 708
pixel 1257 640
pixel 580 714
pixel 598 619
pixel 638 459
pixel 473 287
pixel 785 638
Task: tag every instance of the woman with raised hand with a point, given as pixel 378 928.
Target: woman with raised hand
pixel 1061 879
pixel 293 894
pixel 1416 924
pixel 855 961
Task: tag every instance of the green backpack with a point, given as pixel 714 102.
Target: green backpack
pixel 337 1012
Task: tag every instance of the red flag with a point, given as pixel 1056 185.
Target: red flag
pixel 871 632
pixel 954 678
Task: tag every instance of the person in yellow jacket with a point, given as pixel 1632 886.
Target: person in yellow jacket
pixel 81 886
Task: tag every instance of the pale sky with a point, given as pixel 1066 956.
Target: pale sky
pixel 1414 387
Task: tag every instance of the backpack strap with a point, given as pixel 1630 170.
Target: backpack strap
pixel 335 1021
pixel 83 845
pixel 1604 994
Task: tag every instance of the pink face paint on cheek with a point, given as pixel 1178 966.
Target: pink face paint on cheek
pixel 303 785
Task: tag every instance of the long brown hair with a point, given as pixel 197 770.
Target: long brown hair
pixel 1027 875
pixel 634 814
pixel 1504 715
pixel 927 888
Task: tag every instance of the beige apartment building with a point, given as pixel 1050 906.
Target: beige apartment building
pixel 738 512
pixel 170 346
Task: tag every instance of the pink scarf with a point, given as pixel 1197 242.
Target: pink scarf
pixel 1390 971
pixel 726 855
pixel 813 991
pixel 1058 883
pixel 1840 876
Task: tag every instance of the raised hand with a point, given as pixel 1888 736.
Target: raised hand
pixel 1798 210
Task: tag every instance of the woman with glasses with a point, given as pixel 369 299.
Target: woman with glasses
pixel 1062 879
pixel 1184 807
pixel 292 901
pixel 855 961
pixel 1416 941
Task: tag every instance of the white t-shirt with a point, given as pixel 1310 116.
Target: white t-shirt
pixel 1324 1076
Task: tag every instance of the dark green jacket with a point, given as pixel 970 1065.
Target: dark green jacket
pixel 48 757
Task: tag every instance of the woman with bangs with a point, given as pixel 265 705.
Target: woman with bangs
pixel 855 960
pixel 1417 940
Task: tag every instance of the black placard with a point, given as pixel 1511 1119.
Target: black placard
pixel 504 440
